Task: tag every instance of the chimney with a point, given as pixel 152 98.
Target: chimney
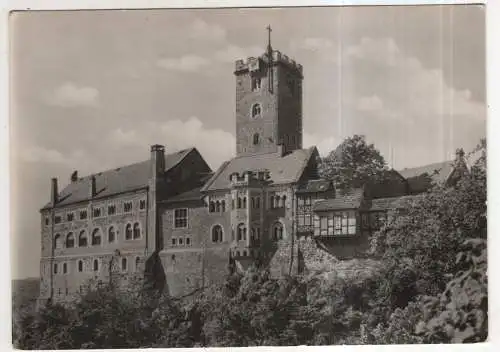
pixel 92 187
pixel 54 193
pixel 158 159
pixel 74 176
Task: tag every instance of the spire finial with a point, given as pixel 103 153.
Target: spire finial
pixel 269 30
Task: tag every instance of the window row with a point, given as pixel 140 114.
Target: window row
pixel 132 232
pixel 277 202
pixel 63 268
pixel 338 223
pixel 217 207
pixel 245 253
pixel 181 241
pixel 239 203
pixel 277 233
pixel 98 211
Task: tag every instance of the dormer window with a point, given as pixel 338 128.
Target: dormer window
pixel 256 84
pixel 256 110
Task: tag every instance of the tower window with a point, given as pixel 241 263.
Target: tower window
pixel 217 234
pixel 256 138
pixel 256 110
pixel 256 83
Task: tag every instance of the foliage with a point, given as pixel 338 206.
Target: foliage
pixel 353 163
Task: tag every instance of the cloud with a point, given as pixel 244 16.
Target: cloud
pixel 186 63
pixel 215 145
pixel 324 144
pixel 202 30
pixel 232 53
pixel 71 95
pixel 312 44
pixel 371 103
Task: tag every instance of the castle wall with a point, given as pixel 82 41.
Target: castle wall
pixel 67 284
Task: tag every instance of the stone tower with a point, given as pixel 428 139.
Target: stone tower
pixel 268 103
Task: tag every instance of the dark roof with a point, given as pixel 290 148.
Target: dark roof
pixel 345 200
pixel 119 180
pixel 315 186
pixel 191 195
pixel 283 169
pixel 393 202
pixel 439 172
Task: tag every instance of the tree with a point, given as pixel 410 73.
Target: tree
pixel 353 163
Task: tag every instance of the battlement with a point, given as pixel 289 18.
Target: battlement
pixel 248 178
pixel 278 58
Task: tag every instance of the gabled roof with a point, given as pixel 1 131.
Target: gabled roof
pixel 119 180
pixel 282 169
pixel 382 204
pixel 439 172
pixel 345 200
pixel 315 186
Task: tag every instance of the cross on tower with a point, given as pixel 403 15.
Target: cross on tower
pixel 269 30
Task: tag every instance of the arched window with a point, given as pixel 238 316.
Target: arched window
pixel 124 264
pixel 240 203
pixel 277 231
pixel 70 240
pixel 57 241
pixel 55 268
pixel 242 232
pixel 96 237
pixel 111 234
pixel 95 265
pixel 244 202
pixel 256 110
pixel 217 234
pixel 244 253
pixel 217 207
pixel 256 139
pixel 237 253
pixel 80 266
pixel 137 263
pixel 211 207
pixel 82 239
pixel 277 201
pixel 283 201
pixel 137 231
pixel 65 268
pixel 128 232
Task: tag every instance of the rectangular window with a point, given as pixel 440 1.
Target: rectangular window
pixel 300 201
pixel 46 221
pixel 57 219
pixel 111 209
pixel 181 241
pixel 301 220
pixel 96 212
pixel 174 241
pixel 142 204
pixel 127 207
pixel 180 218
pixel 70 216
pixel 83 214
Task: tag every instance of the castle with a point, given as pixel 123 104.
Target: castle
pixel 172 218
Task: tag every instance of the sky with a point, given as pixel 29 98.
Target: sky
pixel 92 90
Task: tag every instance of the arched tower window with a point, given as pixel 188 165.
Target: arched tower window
pixel 96 237
pixel 70 240
pixel 242 232
pixel 137 230
pixel 256 139
pixel 128 232
pixel 82 239
pixel 256 110
pixel 277 231
pixel 217 234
